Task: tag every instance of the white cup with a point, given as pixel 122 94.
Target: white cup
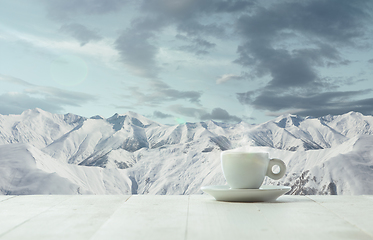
pixel 248 169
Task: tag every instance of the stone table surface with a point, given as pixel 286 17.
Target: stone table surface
pixel 184 217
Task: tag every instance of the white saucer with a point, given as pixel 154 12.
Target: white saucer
pixel 263 194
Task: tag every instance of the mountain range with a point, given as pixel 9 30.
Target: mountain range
pixel 46 153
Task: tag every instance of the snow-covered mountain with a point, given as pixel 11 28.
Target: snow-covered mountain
pixel 25 169
pixel 36 126
pixel 128 153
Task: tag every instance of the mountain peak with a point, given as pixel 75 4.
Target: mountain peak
pixel 353 114
pixel 34 111
pixel 288 120
pixel 131 118
pixel 129 114
pixel 97 117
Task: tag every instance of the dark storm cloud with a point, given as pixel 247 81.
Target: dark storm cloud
pixel 370 60
pixel 158 114
pixel 216 114
pixel 316 105
pixel 65 9
pixel 288 41
pixel 34 96
pixel 80 33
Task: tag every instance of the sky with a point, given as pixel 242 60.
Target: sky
pixel 177 61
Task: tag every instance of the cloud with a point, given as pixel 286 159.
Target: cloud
pixel 195 34
pixel 334 20
pixel 195 28
pixel 183 10
pixel 370 60
pixel 159 92
pixel 127 107
pixel 246 98
pixel 60 96
pixel 196 45
pixel 136 48
pixel 289 42
pixel 188 111
pixel 288 69
pixel 15 103
pixel 80 33
pixel 324 24
pixel 201 114
pixel 66 9
pixel 34 96
pixel 220 114
pixel 48 48
pixel 319 104
pixel 187 15
pixel 232 6
pixel 137 53
pixel 158 114
pixel 14 80
pixel 228 77
pixel 137 44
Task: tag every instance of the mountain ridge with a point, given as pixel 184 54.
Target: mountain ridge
pixel 149 157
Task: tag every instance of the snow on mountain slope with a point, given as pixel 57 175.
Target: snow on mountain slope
pixel 111 142
pixel 351 124
pixel 176 169
pixel 20 175
pixel 37 127
pixel 345 169
pixel 103 142
pixel 78 144
pixel 24 169
pixel 290 132
pixel 128 153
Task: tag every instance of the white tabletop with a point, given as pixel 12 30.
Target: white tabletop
pixel 184 217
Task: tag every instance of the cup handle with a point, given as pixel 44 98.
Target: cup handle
pixel 274 162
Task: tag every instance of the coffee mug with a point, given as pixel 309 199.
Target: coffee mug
pixel 248 169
